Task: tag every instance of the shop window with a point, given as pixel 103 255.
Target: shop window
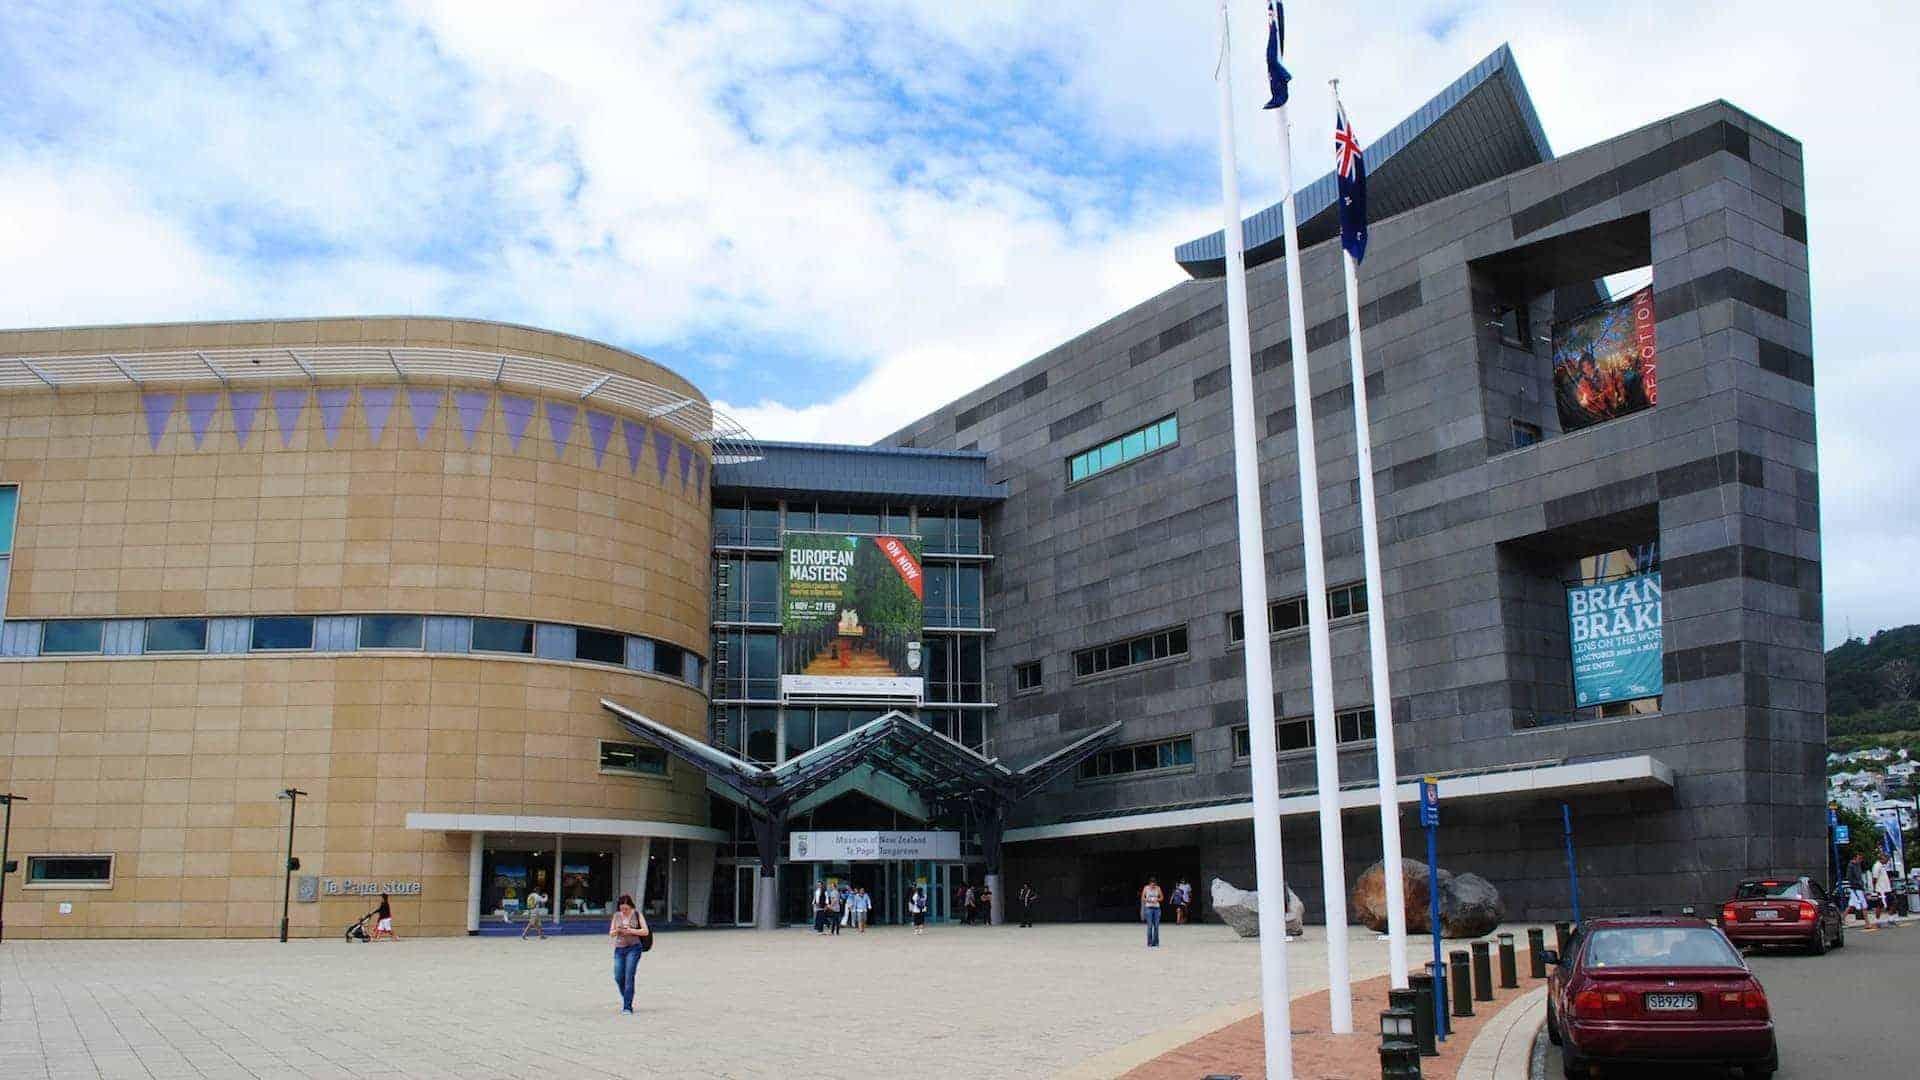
pixel 632 759
pixel 176 635
pixel 282 632
pixel 70 636
pixel 503 636
pixel 391 631
pixel 69 872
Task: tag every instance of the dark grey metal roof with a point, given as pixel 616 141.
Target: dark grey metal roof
pixel 1479 129
pixel 880 473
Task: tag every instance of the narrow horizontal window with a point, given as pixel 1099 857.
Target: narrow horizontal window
pixel 176 635
pixel 1139 758
pixel 599 646
pixel 1291 613
pixel 392 631
pixel 282 632
pixel 1353 726
pixel 503 636
pixel 1126 447
pixel 70 871
pixel 67 636
pixel 1131 652
pixel 633 758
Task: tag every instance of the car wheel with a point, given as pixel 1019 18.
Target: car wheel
pixel 1762 1071
pixel 1573 1066
pixel 1840 936
pixel 1553 1026
pixel 1818 946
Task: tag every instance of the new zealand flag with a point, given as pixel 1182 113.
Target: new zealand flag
pixel 1277 75
pixel 1351 170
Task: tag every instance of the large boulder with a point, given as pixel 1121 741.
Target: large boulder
pixel 1240 909
pixel 1470 906
pixel 1368 901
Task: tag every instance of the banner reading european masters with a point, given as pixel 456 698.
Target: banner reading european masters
pixel 850 615
pixel 1616 639
pixel 1604 363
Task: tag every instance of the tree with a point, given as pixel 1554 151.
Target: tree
pixel 1901 677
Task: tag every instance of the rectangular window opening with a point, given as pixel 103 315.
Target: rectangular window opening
pixel 282 632
pixel 1124 448
pixel 392 631
pixel 599 646
pixel 633 759
pixel 69 872
pixel 176 635
pixel 503 636
pixel 70 637
pixel 1026 677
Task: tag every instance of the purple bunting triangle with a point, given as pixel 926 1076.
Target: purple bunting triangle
pixel 376 403
pixel 246 406
pixel 200 410
pixel 662 449
pixel 518 411
pixel 425 407
pixel 599 431
pixel 686 462
pixel 471 406
pixel 636 442
pixel 288 405
pixel 333 410
pixel 159 409
pixel 560 420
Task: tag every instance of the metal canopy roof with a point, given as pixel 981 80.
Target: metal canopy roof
pixel 934 478
pixel 1479 129
pixel 933 765
pixel 694 418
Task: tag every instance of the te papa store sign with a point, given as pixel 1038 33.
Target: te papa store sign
pixel 313 889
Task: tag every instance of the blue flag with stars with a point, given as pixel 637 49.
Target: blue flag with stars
pixel 1351 171
pixel 1277 75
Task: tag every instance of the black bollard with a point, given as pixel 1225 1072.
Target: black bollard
pixel 1420 985
pixel 1509 970
pixel 1462 983
pixel 1562 933
pixel 1536 947
pixel 1482 972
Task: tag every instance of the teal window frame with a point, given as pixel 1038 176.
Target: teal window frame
pixel 1124 449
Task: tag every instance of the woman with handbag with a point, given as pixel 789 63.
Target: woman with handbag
pixel 631 936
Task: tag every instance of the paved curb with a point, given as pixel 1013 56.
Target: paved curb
pixel 1504 1048
pixel 1124 1059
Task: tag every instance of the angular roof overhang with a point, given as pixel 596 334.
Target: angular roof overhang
pixel 1477 130
pixel 935 767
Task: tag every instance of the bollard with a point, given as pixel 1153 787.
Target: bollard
pixel 1562 933
pixel 1462 983
pixel 1536 945
pixel 1399 1053
pixel 1420 985
pixel 1482 972
pixel 1509 970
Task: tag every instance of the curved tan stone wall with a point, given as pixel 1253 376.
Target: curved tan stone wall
pixel 356 497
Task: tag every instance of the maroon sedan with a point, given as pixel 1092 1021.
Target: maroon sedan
pixel 1657 991
pixel 1783 911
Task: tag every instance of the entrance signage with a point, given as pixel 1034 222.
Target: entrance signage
pixel 312 888
pixel 1615 630
pixel 872 845
pixel 851 613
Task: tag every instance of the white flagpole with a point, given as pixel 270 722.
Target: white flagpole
pixel 1270 873
pixel 1389 779
pixel 1333 867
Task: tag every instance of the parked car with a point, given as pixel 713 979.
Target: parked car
pixel 1784 911
pixel 1657 990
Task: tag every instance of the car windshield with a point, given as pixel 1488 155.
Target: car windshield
pixel 1771 890
pixel 1659 946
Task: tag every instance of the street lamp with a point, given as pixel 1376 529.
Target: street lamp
pixel 292 795
pixel 6 864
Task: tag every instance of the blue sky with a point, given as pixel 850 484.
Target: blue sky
pixel 835 216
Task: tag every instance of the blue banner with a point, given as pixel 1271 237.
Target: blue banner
pixel 1615 630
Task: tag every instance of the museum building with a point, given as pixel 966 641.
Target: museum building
pixel 520 613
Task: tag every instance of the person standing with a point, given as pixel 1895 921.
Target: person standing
pixel 836 903
pixel 1182 896
pixel 383 920
pixel 1882 885
pixel 967 900
pixel 1150 898
pixel 862 908
pixel 1027 897
pixel 820 892
pixel 985 902
pixel 917 907
pixel 535 907
pixel 627 930
pixel 1857 888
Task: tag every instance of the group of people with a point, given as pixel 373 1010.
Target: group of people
pixel 838 905
pixel 975 901
pixel 1870 892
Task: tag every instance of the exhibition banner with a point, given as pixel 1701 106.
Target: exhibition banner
pixel 1605 364
pixel 1615 630
pixel 851 611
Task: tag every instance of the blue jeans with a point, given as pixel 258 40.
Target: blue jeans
pixel 1153 927
pixel 626 961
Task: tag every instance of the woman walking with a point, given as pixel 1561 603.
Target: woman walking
pixel 917 907
pixel 383 921
pixel 1027 897
pixel 627 930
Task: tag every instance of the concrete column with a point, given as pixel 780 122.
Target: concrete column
pixel 766 892
pixel 699 882
pixel 996 911
pixel 476 846
pixel 554 903
pixel 634 853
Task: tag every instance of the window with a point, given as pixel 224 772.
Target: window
pixel 70 636
pixel 391 631
pixel 1516 325
pixel 599 646
pixel 631 758
pixel 9 500
pixel 1145 649
pixel 951 532
pixel 669 660
pixel 1353 725
pixel 282 632
pixel 176 635
pixel 1139 758
pixel 1026 677
pixel 955 669
pixel 1114 453
pixel 1291 613
pixel 502 635
pixel 69 872
pixel 1525 434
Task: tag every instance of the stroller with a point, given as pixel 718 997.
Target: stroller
pixel 358 931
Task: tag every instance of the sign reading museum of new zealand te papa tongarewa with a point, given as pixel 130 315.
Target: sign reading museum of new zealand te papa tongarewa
pixel 850 615
pixel 1615 630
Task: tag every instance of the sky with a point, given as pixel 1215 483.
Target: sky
pixel 837 216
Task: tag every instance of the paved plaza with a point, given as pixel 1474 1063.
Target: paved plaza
pixel 975 1002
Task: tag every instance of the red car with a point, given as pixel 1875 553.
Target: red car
pixel 1783 911
pixel 1657 991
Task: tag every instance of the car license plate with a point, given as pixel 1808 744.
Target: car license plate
pixel 1672 1002
pixel 1766 915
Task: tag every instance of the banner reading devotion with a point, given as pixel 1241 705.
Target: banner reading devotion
pixel 1604 363
pixel 1615 630
pixel 850 615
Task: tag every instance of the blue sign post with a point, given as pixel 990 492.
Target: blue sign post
pixel 1573 875
pixel 1430 820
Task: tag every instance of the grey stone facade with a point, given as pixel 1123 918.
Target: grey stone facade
pixel 1475 532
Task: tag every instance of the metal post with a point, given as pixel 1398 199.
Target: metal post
pixel 1482 971
pixel 6 839
pixel 1562 933
pixel 1462 983
pixel 1536 946
pixel 1429 797
pixel 292 795
pixel 1573 876
pixel 1442 1027
pixel 1509 969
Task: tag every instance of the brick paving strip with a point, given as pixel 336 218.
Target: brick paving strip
pixel 1318 1054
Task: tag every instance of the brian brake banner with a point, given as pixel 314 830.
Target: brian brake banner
pixel 850 615
pixel 1616 639
pixel 1604 363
